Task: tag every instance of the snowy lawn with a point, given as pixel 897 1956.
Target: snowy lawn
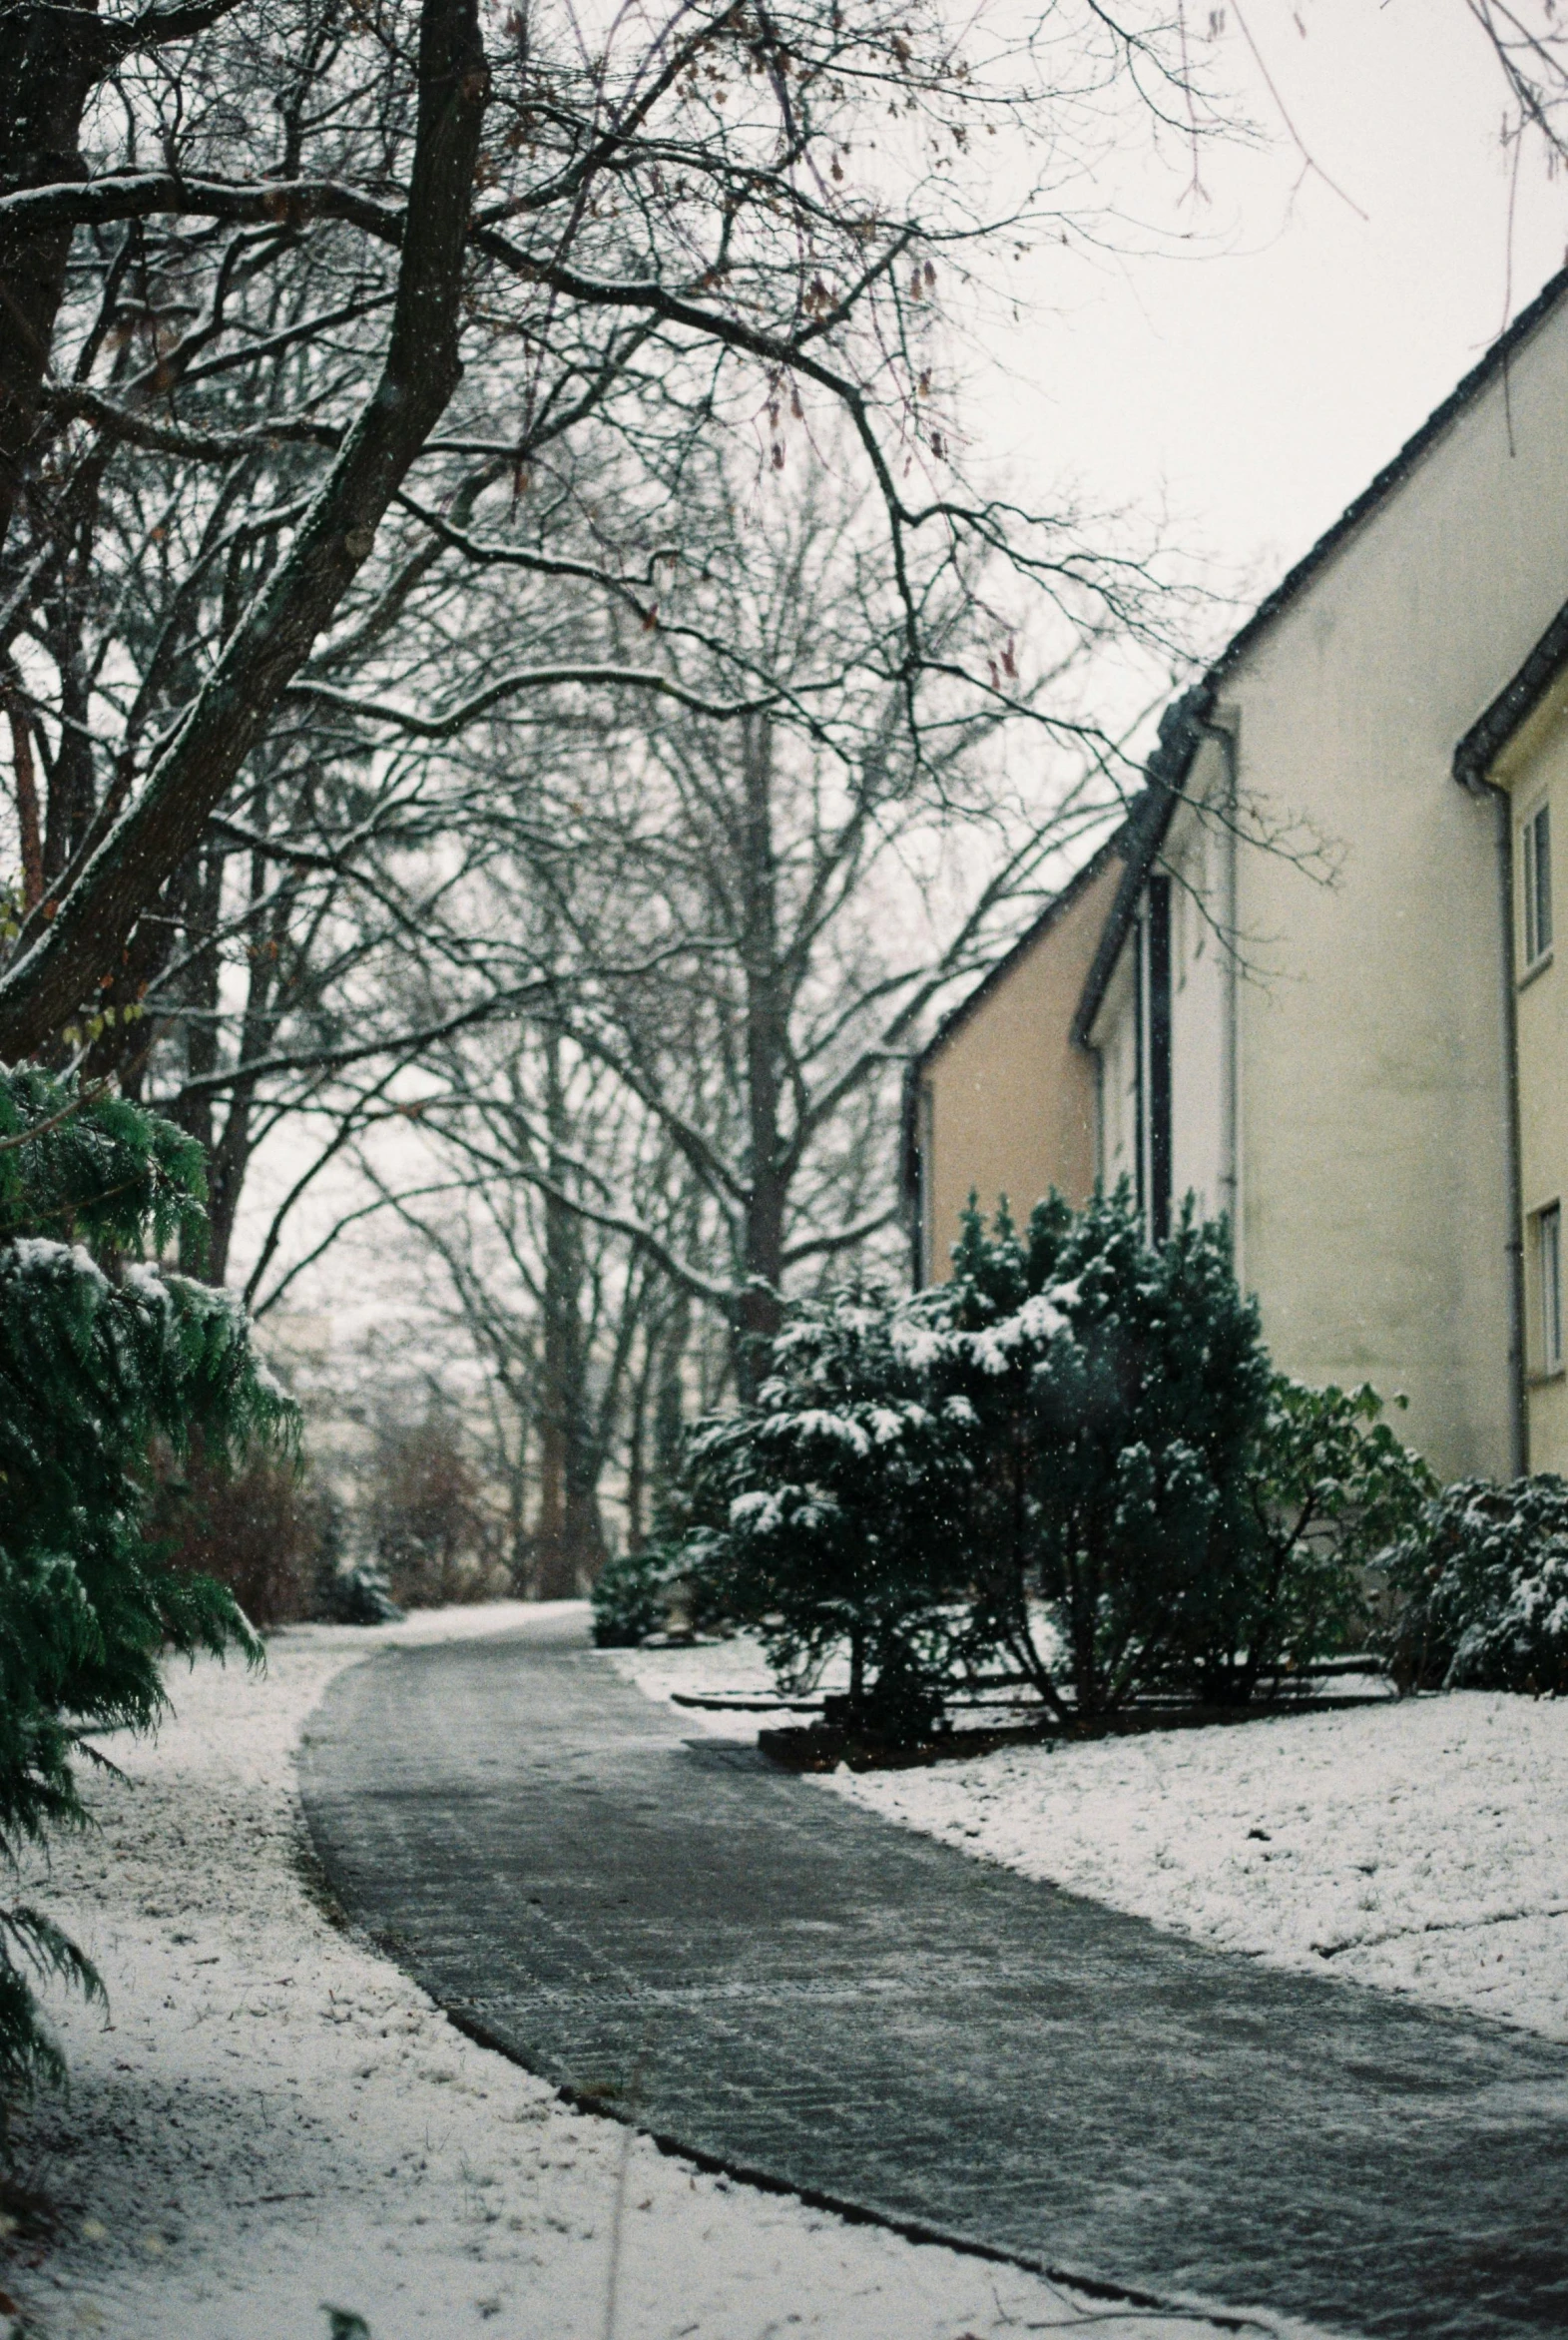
pixel 1416 1845
pixel 275 2121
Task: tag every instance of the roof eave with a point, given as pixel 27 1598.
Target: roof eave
pixel 1513 706
pixel 1182 728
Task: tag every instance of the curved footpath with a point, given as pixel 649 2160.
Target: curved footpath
pixel 762 1972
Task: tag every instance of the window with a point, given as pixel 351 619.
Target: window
pixel 1536 868
pixel 1549 1262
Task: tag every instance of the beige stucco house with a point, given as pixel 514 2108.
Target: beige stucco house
pixel 1317 1000
pixel 1001 1099
pixel 1518 753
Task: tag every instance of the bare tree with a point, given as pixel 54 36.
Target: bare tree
pixel 571 1320
pixel 255 260
pixel 748 920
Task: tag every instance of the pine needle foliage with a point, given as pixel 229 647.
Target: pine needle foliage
pixel 831 1510
pixel 1074 1458
pixel 102 1351
pixel 1120 1388
pixel 1481 1587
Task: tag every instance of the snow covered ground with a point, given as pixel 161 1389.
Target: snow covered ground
pixel 274 2124
pixel 1416 1845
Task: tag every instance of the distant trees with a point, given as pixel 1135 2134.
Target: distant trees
pixel 735 929
pixel 750 918
pixel 425 1514
pixel 393 411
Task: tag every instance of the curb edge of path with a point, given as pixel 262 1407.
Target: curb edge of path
pixel 321 1885
pixel 917 2230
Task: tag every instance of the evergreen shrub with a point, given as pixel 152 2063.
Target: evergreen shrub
pixel 1330 1488
pixel 102 1353
pixel 832 1510
pixel 343 1590
pixel 631 1597
pixel 1119 1391
pixel 1482 1589
pixel 1074 1460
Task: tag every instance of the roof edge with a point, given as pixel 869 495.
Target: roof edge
pixel 1514 704
pixel 1184 721
pixel 957 1016
pixel 1489 364
pixel 1182 727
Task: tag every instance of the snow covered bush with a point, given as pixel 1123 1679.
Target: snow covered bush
pixel 834 1512
pixel 1482 1590
pixel 631 1597
pixel 1119 1392
pixel 1330 1489
pixel 101 1353
pixel 346 1590
pixel 1073 1458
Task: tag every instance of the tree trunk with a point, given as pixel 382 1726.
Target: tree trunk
pixel 51 55
pixel 670 1402
pixel 68 946
pixel 637 1445
pixel 760 1310
pixel 569 1544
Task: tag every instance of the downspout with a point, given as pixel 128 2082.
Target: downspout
pixel 1224 735
pixel 913 1171
pixel 1140 1076
pixel 1518 1416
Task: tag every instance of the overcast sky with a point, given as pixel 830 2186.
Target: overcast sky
pixel 1257 378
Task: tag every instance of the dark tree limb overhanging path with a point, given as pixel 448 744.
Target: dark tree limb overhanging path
pixel 770 1977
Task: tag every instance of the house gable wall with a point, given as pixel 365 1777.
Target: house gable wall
pixel 1194 859
pixel 1374 1087
pixel 1369 1082
pixel 1007 1101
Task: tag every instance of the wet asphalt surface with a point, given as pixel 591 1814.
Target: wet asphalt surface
pixel 762 1972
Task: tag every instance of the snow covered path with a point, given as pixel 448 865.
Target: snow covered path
pixel 1417 1844
pixel 276 2122
pixel 785 1981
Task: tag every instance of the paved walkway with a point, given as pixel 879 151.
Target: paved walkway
pixel 769 1976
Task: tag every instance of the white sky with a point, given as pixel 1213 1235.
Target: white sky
pixel 1255 379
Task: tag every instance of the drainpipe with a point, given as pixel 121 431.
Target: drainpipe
pixel 1518 1417
pixel 1229 1039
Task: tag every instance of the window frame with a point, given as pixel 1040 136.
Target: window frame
pixel 1548 1248
pixel 1535 871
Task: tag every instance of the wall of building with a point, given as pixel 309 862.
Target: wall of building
pixel 1371 1139
pixel 1007 1102
pixel 1116 1038
pixel 1194 857
pixel 1534 771
pixel 1373 1098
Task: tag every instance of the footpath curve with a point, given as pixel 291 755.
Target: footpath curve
pixel 764 1974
